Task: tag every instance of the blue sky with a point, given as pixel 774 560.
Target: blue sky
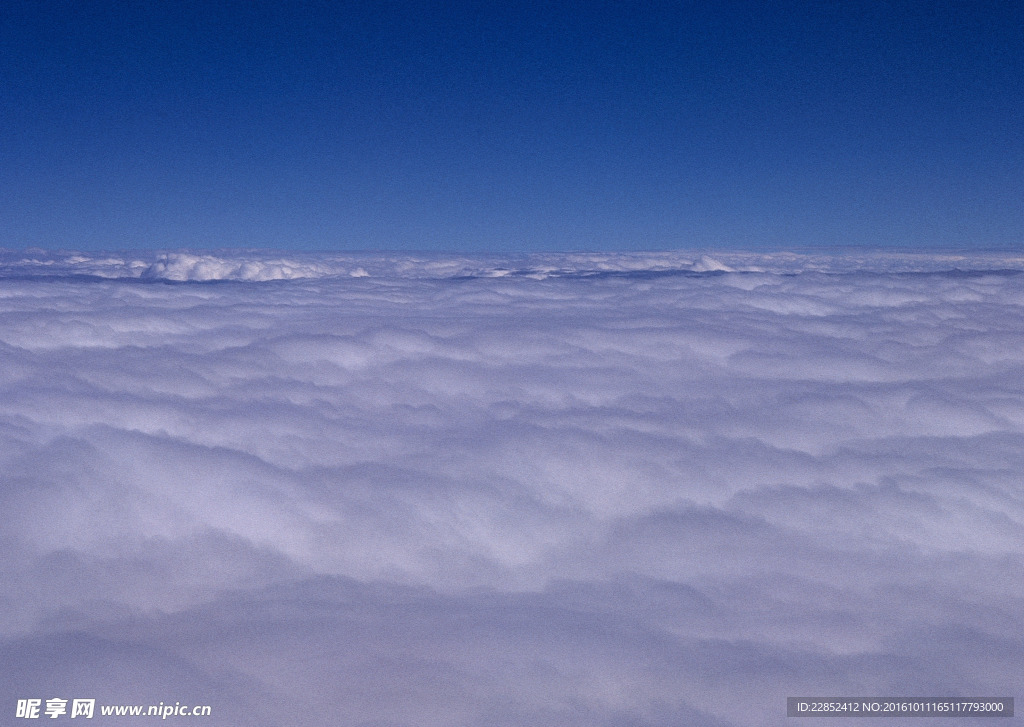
pixel 511 126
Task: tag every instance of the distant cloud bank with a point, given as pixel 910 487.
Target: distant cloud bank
pixel 566 489
pixel 185 266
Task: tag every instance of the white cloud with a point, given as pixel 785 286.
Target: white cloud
pixel 555 489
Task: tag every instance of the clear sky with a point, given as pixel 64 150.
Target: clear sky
pixel 511 125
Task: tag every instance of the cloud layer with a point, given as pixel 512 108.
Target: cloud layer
pixel 554 490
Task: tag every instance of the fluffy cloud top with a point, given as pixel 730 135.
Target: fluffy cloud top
pixel 651 489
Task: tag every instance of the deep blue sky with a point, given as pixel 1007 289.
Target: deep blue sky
pixel 511 126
